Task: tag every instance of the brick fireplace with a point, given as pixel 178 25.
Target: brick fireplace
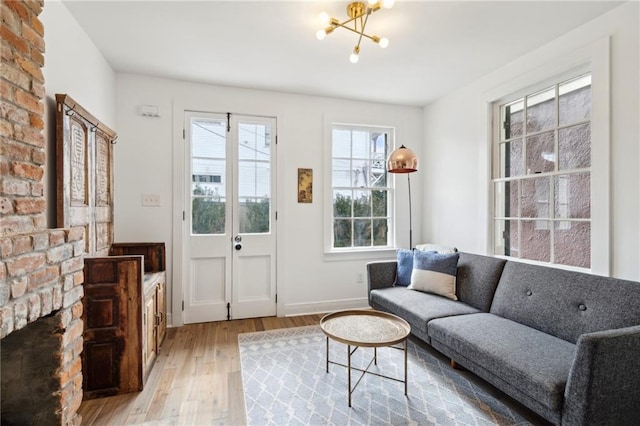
pixel 40 269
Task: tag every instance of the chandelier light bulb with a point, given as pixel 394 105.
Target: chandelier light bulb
pixel 384 42
pixel 354 57
pixel 388 4
pixel 324 19
pixel 372 2
pixel 321 34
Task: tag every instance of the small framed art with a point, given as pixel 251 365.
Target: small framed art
pixel 305 185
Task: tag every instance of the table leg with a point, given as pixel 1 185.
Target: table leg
pixel 405 367
pixel 375 356
pixel 327 357
pixel 349 372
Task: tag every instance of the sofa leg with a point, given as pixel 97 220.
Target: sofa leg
pixel 456 366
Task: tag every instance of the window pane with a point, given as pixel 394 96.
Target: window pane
pixel 361 145
pixel 341 143
pixel 362 232
pixel 380 232
pixel 535 199
pixel 541 111
pixel 575 100
pixel 360 173
pixel 379 201
pixel 511 159
pixel 342 203
pixel 512 115
pixel 207 215
pixel 574 144
pixel 362 204
pixel 506 199
pixel 573 196
pixel 536 241
pixel 342 233
pixel 540 153
pixel 572 243
pixel 341 173
pixel 506 238
pixel 254 216
pixel 377 174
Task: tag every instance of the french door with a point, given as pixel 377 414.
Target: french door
pixel 230 238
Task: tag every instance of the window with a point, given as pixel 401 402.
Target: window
pixel 542 175
pixel 360 191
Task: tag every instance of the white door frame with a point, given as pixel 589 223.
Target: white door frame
pixel 175 313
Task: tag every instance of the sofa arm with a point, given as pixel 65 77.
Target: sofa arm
pixel 604 382
pixel 381 274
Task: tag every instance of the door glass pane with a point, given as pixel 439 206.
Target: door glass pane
pixel 253 215
pixel 541 156
pixel 254 178
pixel 208 176
pixel 575 100
pixel 541 110
pixel 574 146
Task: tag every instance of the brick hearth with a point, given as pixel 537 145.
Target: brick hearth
pixel 40 269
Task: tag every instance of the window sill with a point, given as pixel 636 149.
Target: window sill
pixel 360 254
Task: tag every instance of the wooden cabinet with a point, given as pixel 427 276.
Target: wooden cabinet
pixel 124 317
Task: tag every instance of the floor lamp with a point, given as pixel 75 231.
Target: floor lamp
pixel 403 160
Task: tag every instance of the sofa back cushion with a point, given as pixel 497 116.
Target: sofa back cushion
pixel 564 303
pixel 477 279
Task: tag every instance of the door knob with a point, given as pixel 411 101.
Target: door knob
pixel 238 246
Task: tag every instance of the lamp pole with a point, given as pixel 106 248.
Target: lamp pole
pixel 403 160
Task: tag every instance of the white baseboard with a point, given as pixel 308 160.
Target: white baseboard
pixel 295 309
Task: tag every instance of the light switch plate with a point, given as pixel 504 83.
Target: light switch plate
pixel 151 200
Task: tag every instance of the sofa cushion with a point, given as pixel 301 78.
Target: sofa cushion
pixel 405 267
pixel 415 307
pixel 565 303
pixel 535 362
pixel 435 273
pixel 477 279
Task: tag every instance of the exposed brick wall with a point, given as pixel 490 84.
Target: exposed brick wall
pixel 40 269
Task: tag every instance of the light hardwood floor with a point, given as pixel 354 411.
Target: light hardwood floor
pixel 196 379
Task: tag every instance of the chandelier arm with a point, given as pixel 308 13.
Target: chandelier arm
pixel 362 29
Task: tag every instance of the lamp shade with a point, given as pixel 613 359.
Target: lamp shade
pixel 402 160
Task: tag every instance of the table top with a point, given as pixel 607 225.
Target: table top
pixel 367 328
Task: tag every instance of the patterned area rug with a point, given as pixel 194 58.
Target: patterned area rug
pixel 285 383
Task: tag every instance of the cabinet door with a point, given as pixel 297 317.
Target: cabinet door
pixel 112 322
pixel 149 352
pixel 161 312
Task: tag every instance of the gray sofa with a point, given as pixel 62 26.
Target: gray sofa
pixel 565 344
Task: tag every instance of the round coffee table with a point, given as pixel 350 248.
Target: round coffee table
pixel 366 328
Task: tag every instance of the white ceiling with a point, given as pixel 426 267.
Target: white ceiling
pixel 435 46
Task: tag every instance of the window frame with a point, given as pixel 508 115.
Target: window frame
pixel 329 249
pixel 593 58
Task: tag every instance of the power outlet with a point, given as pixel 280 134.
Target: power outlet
pixel 151 200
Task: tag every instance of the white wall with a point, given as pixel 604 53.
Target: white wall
pixel 307 279
pixel 73 65
pixel 456 150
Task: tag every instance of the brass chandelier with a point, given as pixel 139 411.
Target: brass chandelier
pixel 358 13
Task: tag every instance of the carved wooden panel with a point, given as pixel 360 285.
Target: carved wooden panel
pixel 84 151
pixel 112 314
